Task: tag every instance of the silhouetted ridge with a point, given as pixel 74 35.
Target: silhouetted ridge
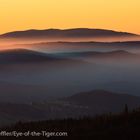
pixel 117 53
pixel 120 52
pixel 23 55
pixel 72 33
pixel 104 100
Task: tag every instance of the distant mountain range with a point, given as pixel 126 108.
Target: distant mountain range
pixel 25 56
pixel 85 43
pixel 117 53
pixel 111 55
pixel 67 33
pixel 13 56
pixel 62 46
pixel 22 55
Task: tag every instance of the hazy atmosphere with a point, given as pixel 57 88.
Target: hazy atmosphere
pixel 72 67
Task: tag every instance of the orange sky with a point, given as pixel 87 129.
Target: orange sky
pixel 121 15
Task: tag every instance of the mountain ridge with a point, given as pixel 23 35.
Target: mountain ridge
pixel 104 100
pixel 97 54
pixel 75 32
pixel 22 55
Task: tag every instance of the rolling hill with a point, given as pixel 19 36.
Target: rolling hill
pixel 104 100
pixel 61 46
pixel 23 55
pixel 99 54
pixel 93 55
pixel 11 56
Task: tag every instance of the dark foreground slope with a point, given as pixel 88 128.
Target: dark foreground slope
pixel 123 126
pixel 79 105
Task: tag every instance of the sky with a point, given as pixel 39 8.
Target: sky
pixel 120 15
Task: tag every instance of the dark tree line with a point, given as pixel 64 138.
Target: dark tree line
pixel 123 126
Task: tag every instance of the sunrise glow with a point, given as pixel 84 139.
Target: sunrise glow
pixel 121 15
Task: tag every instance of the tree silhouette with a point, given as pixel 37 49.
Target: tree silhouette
pixel 126 109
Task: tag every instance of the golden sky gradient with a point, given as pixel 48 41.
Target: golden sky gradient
pixel 121 15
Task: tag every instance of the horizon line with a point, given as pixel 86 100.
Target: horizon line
pixel 63 29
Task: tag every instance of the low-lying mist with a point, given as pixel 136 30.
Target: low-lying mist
pixel 39 81
pixel 61 80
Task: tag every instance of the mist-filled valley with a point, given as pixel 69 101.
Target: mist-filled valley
pixel 63 74
pixel 50 78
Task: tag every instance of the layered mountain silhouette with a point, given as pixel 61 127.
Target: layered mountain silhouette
pixel 88 43
pixel 67 33
pixel 25 56
pixel 92 54
pixel 62 46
